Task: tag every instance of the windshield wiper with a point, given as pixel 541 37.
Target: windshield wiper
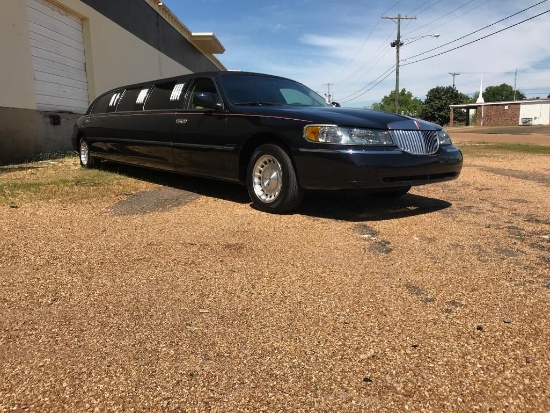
pixel 257 104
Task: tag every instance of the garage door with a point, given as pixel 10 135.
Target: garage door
pixel 57 49
pixel 534 113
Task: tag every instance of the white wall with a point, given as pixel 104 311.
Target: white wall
pixel 539 112
pixel 114 56
pixel 16 72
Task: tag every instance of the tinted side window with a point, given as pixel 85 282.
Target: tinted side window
pixel 107 103
pixel 200 85
pixel 132 99
pixel 165 96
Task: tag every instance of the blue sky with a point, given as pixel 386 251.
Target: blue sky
pixel 347 44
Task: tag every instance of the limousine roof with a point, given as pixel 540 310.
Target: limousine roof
pixel 197 74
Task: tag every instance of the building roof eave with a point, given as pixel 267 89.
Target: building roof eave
pixel 206 43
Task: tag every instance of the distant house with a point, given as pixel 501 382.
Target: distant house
pixel 522 112
pixel 59 55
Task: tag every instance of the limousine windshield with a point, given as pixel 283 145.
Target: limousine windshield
pixel 274 135
pixel 250 90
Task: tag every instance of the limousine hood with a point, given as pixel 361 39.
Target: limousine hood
pixel 350 117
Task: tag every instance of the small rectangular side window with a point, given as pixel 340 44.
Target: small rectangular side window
pixel 107 103
pixel 141 97
pixel 165 96
pixel 132 100
pixel 176 92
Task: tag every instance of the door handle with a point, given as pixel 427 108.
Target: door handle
pixel 181 121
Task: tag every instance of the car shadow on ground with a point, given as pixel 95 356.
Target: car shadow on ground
pixel 200 186
pixel 356 206
pixel 353 206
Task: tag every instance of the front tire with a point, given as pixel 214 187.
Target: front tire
pixel 86 159
pixel 271 180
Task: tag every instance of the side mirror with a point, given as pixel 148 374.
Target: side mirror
pixel 336 104
pixel 206 100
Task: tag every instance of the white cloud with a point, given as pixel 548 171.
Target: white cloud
pixel 523 47
pixel 346 43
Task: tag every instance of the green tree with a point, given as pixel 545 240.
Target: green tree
pixel 408 104
pixel 436 106
pixel 501 93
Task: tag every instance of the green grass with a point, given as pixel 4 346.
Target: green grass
pixel 482 148
pixel 62 179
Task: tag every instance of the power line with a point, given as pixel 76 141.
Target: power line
pixel 375 57
pixel 473 41
pixel 505 72
pixel 368 90
pixel 439 18
pixel 392 7
pixel 365 42
pixel 361 48
pixel 374 60
pixel 385 74
pixel 378 80
pixel 390 70
pixel 483 28
pixel 420 12
pixel 463 14
pixel 419 7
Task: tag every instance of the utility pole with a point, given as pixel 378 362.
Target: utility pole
pixel 397 44
pixel 329 97
pixel 453 75
pixel 515 82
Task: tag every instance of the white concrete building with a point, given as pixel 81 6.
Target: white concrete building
pixel 58 55
pixel 519 112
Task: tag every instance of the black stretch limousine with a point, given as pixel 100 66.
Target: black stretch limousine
pixel 273 134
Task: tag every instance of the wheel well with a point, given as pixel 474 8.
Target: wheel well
pixel 250 146
pixel 76 141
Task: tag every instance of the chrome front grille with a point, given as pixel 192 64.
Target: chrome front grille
pixel 416 142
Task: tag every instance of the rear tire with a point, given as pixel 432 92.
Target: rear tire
pixel 86 159
pixel 271 180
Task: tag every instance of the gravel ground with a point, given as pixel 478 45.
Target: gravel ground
pixel 437 301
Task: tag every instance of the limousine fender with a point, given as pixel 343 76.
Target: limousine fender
pixel 75 133
pixel 81 144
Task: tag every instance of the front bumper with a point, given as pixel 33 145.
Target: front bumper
pixel 385 168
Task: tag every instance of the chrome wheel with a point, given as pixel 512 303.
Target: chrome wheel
pixel 84 153
pixel 86 158
pixel 271 180
pixel 267 178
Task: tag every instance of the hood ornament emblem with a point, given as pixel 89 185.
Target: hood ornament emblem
pixel 417 123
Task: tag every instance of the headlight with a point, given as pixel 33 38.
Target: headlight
pixel 443 137
pixel 347 136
